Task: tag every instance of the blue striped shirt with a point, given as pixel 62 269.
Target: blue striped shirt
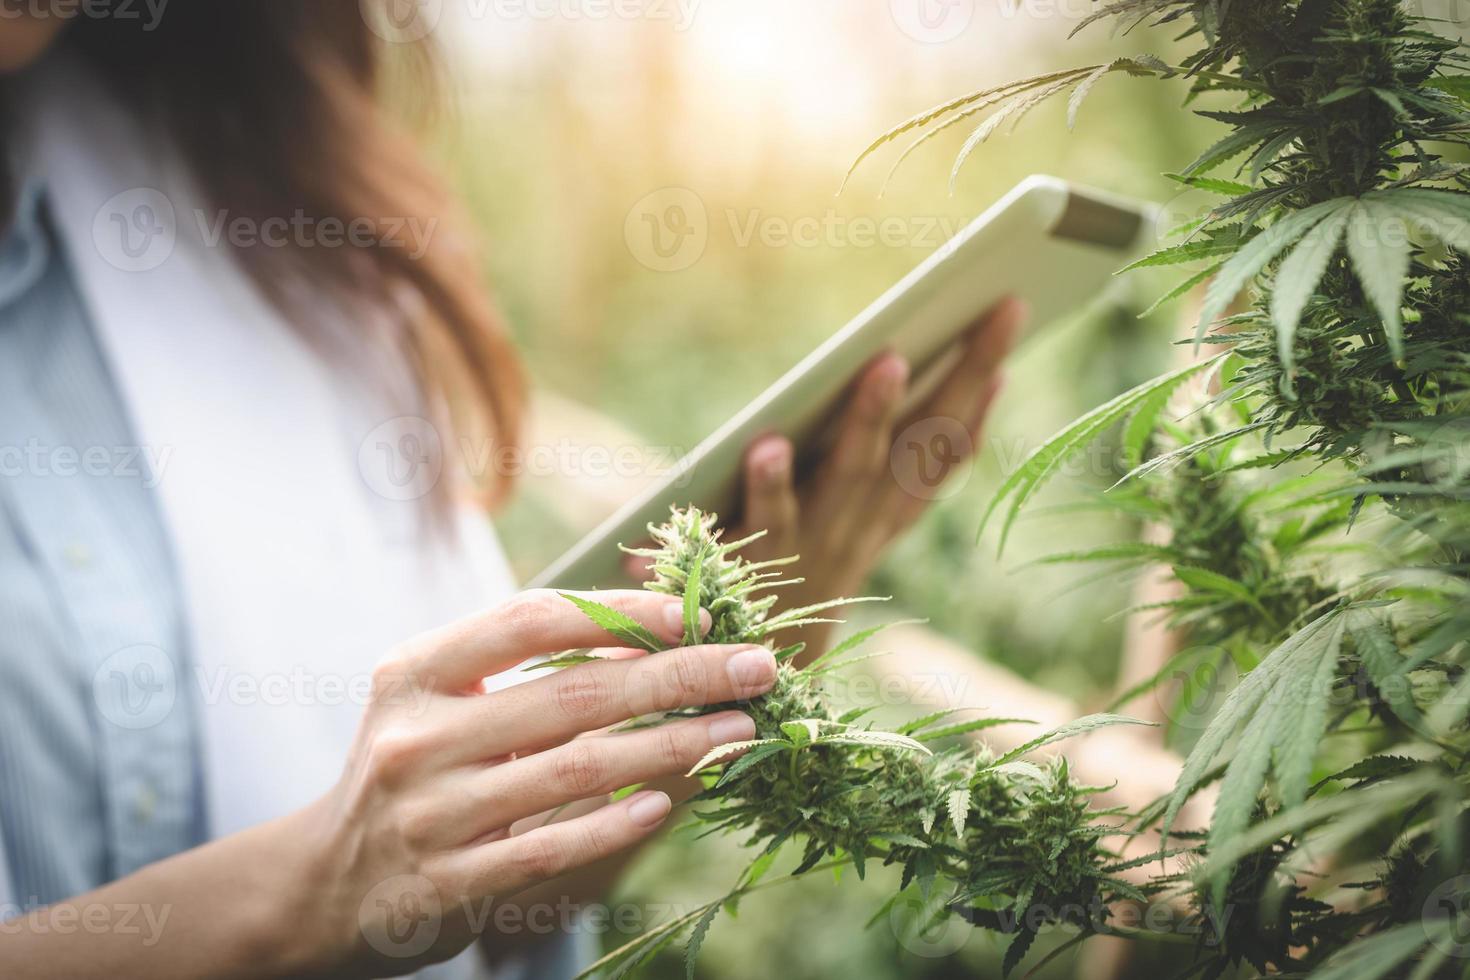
pixel 93 783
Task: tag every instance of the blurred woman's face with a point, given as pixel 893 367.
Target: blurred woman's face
pixel 25 37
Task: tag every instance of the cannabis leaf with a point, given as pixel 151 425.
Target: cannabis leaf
pixel 627 629
pixel 1047 458
pixel 1289 691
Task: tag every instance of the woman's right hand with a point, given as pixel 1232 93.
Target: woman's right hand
pixel 409 850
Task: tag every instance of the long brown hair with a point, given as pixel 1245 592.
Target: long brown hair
pixel 275 104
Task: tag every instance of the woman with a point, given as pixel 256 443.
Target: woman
pixel 214 296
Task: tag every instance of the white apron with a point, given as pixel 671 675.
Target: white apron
pixel 294 561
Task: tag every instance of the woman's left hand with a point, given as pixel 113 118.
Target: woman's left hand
pixel 880 475
pixel 882 472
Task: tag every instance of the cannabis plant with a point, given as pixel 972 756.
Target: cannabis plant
pixel 1318 497
pixel 1004 843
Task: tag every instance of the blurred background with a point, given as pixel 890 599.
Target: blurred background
pixel 656 184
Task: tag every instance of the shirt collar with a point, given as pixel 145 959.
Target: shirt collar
pixel 24 245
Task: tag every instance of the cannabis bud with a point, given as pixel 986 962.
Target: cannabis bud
pixel 1006 844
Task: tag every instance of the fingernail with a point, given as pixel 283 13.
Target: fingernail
pixel 648 809
pixel 1018 310
pixel 731 728
pixel 752 671
pixel 776 464
pixel 890 384
pixel 674 620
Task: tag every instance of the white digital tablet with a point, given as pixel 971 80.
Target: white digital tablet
pixel 1049 242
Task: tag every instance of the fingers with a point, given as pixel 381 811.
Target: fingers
pixel 534 623
pixel 864 438
pixel 503 867
pixel 554 709
pixel 588 767
pixel 770 499
pixel 965 393
pixel 964 397
pixel 929 462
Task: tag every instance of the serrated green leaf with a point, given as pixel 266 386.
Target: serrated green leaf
pixel 1016 951
pixel 1181 289
pixel 858 639
pixel 1018 104
pixel 1080 93
pixel 1378 244
pixel 1299 275
pixel 1050 455
pixel 628 630
pixel 730 748
pixel 1072 729
pixel 1255 255
pixel 696 940
pixel 882 740
pixel 801 732
pixel 1179 254
pixel 966 727
pixel 958 804
pixel 958 109
pixel 1239 707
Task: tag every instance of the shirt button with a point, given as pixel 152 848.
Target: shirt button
pixel 77 555
pixel 145 803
